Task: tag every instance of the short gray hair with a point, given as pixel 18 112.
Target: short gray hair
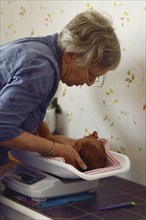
pixel 91 35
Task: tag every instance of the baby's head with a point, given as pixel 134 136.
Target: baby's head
pixel 92 152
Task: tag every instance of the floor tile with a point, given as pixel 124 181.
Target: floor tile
pixel 109 181
pixel 62 212
pixel 120 214
pixel 140 194
pixel 127 186
pixel 140 209
pixel 122 198
pixel 87 217
pixel 90 206
pixel 103 192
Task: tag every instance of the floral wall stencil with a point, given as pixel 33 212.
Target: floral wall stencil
pixel 117 109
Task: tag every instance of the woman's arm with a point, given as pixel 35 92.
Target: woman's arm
pixel 34 143
pixel 29 142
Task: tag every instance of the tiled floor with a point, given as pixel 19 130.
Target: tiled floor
pixel 112 190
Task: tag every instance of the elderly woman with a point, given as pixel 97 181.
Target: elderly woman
pixel 30 71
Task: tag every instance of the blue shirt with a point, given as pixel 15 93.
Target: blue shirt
pixel 29 77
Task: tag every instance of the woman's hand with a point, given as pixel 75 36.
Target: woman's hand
pixel 70 155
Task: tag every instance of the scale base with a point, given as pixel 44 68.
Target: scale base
pixel 39 185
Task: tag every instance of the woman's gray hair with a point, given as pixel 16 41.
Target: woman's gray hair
pixel 92 36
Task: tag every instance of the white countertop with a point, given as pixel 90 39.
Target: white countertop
pixel 13 210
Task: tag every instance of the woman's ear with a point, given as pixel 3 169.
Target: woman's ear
pixel 70 57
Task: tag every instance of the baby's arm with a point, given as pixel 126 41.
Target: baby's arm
pixel 44 131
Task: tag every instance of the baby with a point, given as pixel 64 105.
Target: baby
pixel 90 148
pixel 92 151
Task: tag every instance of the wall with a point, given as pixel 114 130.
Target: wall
pixel 117 110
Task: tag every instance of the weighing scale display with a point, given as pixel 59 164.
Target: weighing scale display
pixel 28 177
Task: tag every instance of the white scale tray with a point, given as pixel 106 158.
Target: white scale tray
pixel 63 170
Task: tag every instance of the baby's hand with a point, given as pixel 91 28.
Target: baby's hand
pixel 94 135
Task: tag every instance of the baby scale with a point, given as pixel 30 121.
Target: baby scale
pixel 41 178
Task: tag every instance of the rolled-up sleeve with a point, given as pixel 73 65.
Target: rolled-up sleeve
pixel 21 100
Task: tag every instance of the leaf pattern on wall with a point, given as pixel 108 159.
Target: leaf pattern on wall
pixel 22 10
pixel 130 77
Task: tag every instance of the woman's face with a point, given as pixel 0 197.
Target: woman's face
pixel 74 75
